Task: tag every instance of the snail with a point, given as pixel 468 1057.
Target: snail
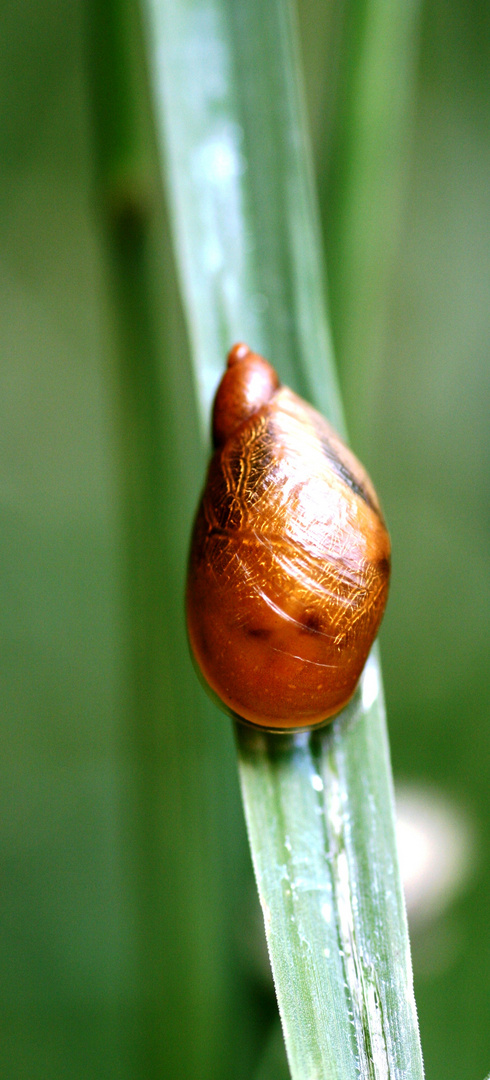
pixel 290 556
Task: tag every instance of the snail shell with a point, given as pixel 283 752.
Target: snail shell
pixel 290 556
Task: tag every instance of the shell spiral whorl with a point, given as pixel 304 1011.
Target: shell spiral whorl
pixel 290 556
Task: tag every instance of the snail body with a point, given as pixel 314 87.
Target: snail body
pixel 290 556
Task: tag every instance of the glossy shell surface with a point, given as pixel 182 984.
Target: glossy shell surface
pixel 290 557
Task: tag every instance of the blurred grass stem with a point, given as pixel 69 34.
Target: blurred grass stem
pixel 363 198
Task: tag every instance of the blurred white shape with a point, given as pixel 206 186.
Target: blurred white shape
pixel 436 848
pixel 327 912
pixel 370 683
pixel 219 161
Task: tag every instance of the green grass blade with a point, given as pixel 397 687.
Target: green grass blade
pixel 328 881
pixel 248 246
pixel 363 198
pixel 319 806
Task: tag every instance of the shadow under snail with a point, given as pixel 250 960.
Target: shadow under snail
pixel 290 556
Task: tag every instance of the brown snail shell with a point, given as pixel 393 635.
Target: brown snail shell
pixel 290 556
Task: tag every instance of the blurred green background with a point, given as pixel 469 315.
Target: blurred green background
pixel 121 882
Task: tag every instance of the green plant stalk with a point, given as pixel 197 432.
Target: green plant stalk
pixel 183 938
pixel 319 806
pixel 362 199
